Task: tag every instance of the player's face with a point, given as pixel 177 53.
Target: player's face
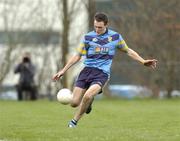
pixel 99 27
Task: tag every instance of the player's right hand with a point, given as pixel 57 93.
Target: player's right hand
pixel 57 76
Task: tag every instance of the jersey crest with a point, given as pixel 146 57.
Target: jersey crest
pixel 94 39
pixel 110 39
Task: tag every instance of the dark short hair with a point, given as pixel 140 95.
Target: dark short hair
pixel 101 17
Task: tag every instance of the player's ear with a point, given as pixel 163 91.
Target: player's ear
pixel 106 25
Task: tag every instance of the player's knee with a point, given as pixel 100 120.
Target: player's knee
pixel 87 98
pixel 74 104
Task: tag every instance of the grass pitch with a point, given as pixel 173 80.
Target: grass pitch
pixel 110 120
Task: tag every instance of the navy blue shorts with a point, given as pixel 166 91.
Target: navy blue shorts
pixel 89 76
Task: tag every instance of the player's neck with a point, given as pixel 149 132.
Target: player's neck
pixel 105 31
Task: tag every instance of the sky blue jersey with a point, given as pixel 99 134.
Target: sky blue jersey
pixel 99 50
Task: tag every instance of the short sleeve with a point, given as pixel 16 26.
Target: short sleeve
pixel 122 44
pixel 81 49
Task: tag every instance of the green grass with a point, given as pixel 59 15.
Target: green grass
pixel 110 120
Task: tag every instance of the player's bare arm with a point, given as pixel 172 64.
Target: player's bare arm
pixel 149 62
pixel 73 60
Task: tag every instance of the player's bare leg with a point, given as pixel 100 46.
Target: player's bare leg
pixel 86 100
pixel 77 96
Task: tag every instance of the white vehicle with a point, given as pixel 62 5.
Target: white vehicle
pixel 129 91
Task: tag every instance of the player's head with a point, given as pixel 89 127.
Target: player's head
pixel 26 57
pixel 100 22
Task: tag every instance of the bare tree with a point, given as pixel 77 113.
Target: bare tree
pixel 11 22
pixel 68 12
pixel 151 29
pixel 46 26
pixel 90 6
pixel 24 17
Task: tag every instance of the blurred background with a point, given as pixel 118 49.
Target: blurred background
pixel 51 30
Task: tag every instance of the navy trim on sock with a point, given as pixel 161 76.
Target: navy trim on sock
pixel 74 121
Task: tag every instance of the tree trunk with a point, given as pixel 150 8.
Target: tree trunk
pixel 91 11
pixel 65 42
pixel 170 80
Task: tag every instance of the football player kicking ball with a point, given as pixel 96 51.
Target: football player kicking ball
pixel 98 47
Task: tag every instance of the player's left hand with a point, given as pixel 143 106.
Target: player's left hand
pixel 151 63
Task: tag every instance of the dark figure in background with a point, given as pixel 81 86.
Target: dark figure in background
pixel 26 81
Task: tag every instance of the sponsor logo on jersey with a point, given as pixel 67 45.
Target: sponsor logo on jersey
pixel 103 50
